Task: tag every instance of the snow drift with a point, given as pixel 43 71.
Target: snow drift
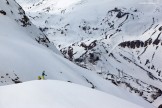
pixel 57 94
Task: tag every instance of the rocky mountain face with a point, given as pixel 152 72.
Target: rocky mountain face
pixel 14 11
pixel 120 40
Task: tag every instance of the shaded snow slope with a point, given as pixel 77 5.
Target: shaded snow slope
pixel 57 94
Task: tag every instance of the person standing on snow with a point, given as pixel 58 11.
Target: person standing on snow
pixel 43 75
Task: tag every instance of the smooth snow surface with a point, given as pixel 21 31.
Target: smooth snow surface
pixel 57 94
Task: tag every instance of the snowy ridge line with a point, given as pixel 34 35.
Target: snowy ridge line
pixel 66 94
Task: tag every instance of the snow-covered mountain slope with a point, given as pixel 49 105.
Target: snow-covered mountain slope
pixel 10 10
pixel 81 19
pixel 119 39
pixel 26 52
pixel 57 94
